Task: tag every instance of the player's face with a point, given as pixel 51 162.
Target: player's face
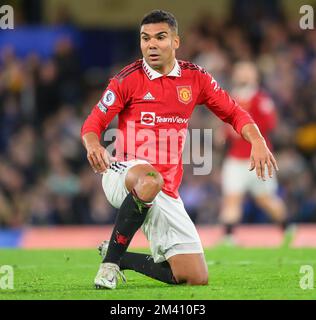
pixel 158 44
pixel 245 74
pixel 245 82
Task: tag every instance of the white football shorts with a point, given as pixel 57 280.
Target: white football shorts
pixel 236 178
pixel 167 227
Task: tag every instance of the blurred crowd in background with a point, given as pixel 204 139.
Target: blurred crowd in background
pixel 45 177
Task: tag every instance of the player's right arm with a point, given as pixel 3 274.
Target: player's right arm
pixel 97 156
pixel 98 120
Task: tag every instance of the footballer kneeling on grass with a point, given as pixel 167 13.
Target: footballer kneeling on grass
pixel 145 190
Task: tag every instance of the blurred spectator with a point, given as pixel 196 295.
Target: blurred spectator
pixel 68 76
pixel 237 180
pixel 47 98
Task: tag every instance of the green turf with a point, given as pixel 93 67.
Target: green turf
pixel 235 273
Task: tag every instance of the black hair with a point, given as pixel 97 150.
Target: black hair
pixel 157 16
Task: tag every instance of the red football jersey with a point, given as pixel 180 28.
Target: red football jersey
pixel 262 110
pixel 154 108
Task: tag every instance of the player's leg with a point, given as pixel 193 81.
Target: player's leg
pixel 144 264
pixel 181 268
pixel 168 226
pixel 143 183
pixel 132 191
pixel 273 206
pixel 264 193
pixel 189 268
pixel 177 253
pixel 234 184
pixel 174 241
pixel 145 180
pixel 231 211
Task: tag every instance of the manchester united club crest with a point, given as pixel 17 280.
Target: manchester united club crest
pixel 184 94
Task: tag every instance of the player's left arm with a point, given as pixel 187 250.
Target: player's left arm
pixel 260 155
pixel 218 101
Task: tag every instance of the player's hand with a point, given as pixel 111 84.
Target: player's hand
pixel 98 158
pixel 261 157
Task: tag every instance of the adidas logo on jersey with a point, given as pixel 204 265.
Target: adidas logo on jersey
pixel 148 96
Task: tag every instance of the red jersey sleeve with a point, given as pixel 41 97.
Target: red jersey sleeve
pixel 218 101
pixel 110 104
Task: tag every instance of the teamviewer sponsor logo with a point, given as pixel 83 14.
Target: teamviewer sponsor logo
pixel 148 118
pixel 175 119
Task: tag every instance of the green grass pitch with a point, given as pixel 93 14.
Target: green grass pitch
pixel 235 273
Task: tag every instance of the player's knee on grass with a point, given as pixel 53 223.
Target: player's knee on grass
pixel 200 280
pixel 192 278
pixel 189 268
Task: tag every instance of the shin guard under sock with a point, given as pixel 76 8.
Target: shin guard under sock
pixel 131 216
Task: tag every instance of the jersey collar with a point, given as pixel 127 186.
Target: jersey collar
pixel 153 74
